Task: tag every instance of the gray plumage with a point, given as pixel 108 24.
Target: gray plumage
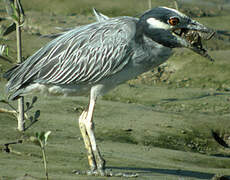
pixel 95 54
pixel 83 55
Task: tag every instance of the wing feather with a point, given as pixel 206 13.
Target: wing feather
pixel 82 55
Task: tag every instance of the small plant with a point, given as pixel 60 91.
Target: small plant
pixel 29 105
pixel 16 13
pixel 4 53
pixel 40 139
pixel 13 111
pixel 3 49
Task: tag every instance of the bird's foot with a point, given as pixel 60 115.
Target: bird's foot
pixel 92 172
pixel 105 172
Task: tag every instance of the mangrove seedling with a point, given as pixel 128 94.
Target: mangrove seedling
pixel 40 139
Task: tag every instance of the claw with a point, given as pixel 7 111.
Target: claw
pixel 106 173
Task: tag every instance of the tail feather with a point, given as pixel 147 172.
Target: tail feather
pixel 99 16
pixel 8 74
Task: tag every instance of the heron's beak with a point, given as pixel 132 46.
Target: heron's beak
pixel 193 34
pixel 196 26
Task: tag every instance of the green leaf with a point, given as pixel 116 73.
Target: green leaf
pixel 46 136
pixel 9 29
pixel 27 105
pixel 7 51
pixel 37 134
pixel 42 136
pixel 31 118
pixel 37 114
pixel 34 99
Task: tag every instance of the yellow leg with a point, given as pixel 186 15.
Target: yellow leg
pixel 96 162
pixel 90 131
pixel 86 140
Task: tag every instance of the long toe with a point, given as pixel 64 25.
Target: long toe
pixel 102 172
pixel 97 172
pixel 100 163
pixel 106 172
pixel 92 173
pixel 110 173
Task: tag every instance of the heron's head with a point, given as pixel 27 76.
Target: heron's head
pixel 172 29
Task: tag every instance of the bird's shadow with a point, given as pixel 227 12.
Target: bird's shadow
pixel 153 171
pixel 196 97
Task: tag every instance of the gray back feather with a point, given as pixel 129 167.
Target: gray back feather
pixel 99 16
pixel 82 55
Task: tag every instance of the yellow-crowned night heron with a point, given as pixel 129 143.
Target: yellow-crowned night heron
pixel 97 57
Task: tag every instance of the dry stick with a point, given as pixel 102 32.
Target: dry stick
pixel 44 160
pixel 150 4
pixel 176 5
pixel 21 119
pixel 2 110
pixel 5 58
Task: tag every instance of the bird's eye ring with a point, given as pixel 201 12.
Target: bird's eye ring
pixel 174 21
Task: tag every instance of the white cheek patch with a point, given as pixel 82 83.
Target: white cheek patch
pixel 156 24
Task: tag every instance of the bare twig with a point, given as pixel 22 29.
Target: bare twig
pixel 21 118
pixel 11 28
pixel 176 5
pixel 7 103
pixel 5 58
pixel 15 113
pixel 9 150
pixel 219 140
pixel 31 124
pixel 150 4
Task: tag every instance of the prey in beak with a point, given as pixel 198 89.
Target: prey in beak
pixel 194 39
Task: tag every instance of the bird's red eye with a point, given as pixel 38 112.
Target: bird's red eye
pixel 174 21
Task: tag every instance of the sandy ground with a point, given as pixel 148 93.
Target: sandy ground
pixel 126 133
